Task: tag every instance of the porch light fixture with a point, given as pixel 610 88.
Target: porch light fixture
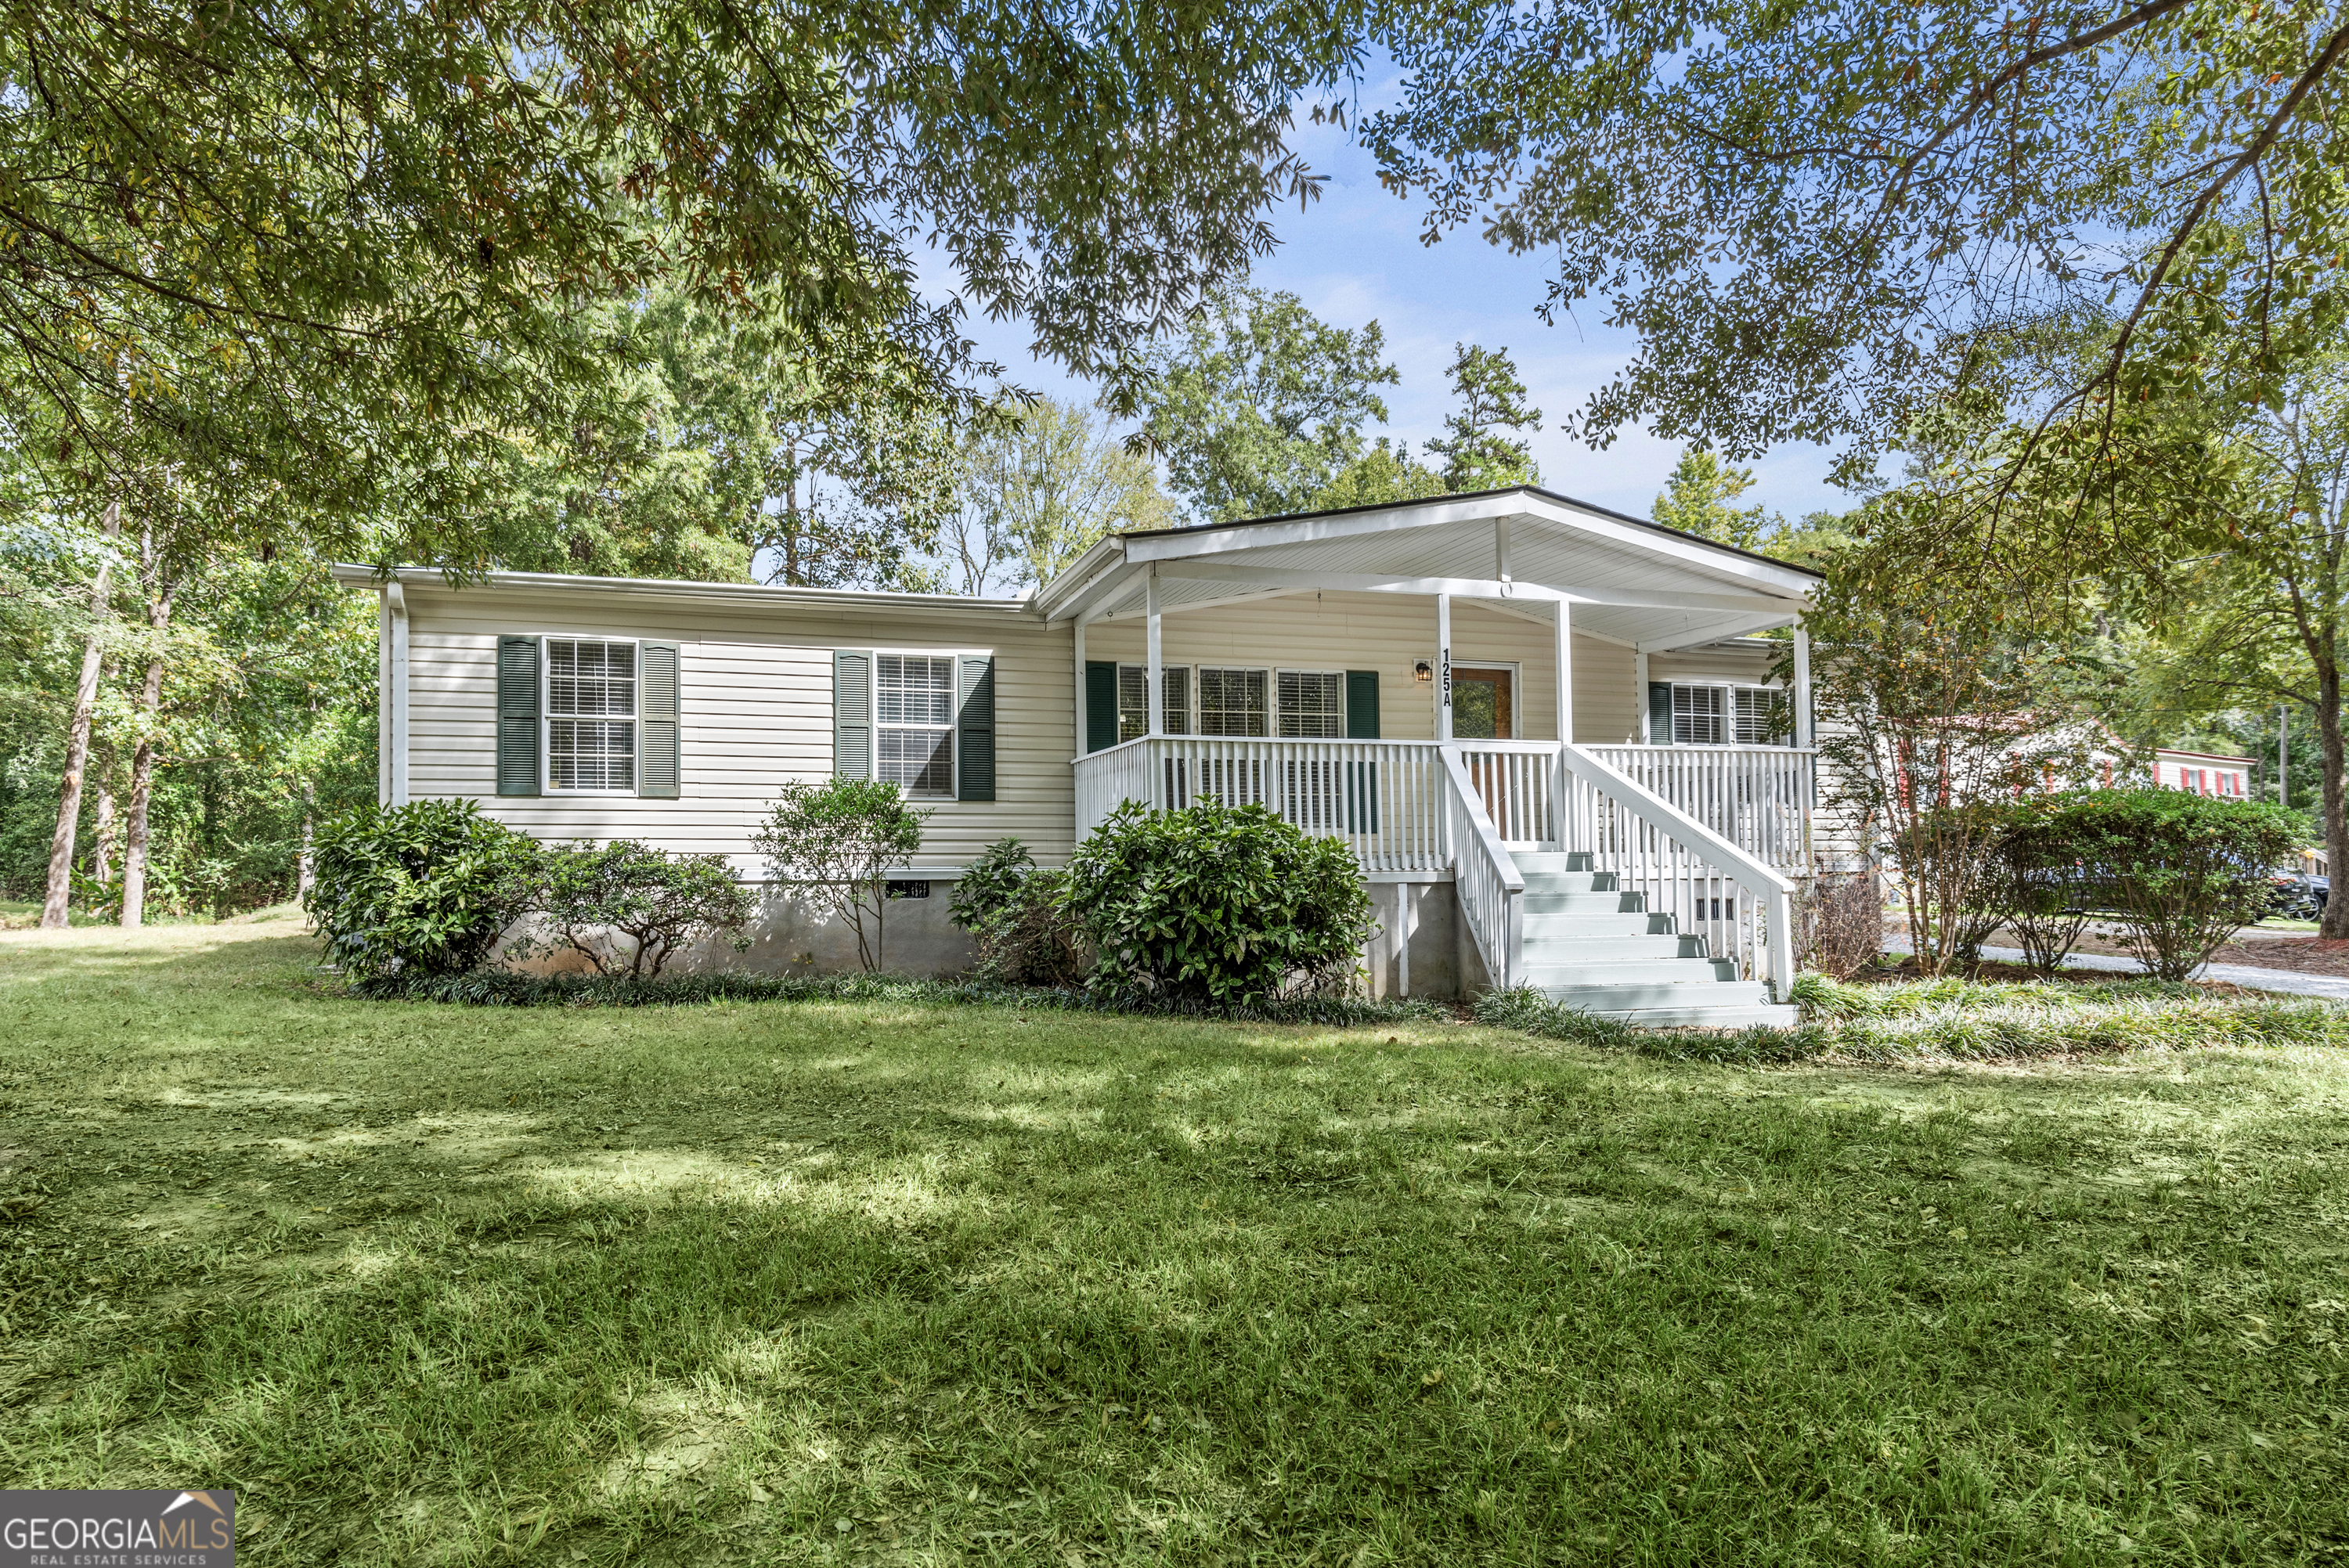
pixel 1423 672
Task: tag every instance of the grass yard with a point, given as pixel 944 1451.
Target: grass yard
pixel 874 1284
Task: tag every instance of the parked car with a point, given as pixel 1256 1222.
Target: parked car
pixel 2299 896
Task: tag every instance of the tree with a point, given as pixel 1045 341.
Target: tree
pixel 1257 409
pixel 1492 399
pixel 1696 498
pixel 840 839
pixel 2257 611
pixel 1040 485
pixel 345 250
pixel 1810 214
pixel 1383 474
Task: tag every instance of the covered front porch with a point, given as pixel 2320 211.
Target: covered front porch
pixel 1459 689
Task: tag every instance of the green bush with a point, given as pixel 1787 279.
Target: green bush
pixel 2040 888
pixel 1229 906
pixel 2178 871
pixel 658 900
pixel 422 889
pixel 1019 917
pixel 838 841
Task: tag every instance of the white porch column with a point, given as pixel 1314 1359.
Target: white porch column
pixel 1156 678
pixel 1801 687
pixel 1640 697
pixel 1565 674
pixel 1403 938
pixel 1444 667
pixel 1080 704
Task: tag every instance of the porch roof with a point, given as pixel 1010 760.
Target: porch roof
pixel 1522 551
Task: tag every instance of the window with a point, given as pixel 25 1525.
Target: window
pixel 915 726
pixel 1133 699
pixel 1728 715
pixel 1699 715
pixel 1313 704
pixel 591 714
pixel 1232 702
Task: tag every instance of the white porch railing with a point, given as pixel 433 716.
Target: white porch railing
pixel 1382 797
pixel 1485 879
pixel 1759 798
pixel 1419 809
pixel 1740 904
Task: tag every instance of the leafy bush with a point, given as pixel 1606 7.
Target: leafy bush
pixel 2040 887
pixel 841 840
pixel 1019 916
pixel 421 888
pixel 660 901
pixel 1226 905
pixel 2179 872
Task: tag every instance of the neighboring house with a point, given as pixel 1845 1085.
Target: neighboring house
pixel 1401 677
pixel 2204 773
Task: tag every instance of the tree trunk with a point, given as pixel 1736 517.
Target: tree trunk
pixel 59 896
pixel 2335 923
pixel 305 863
pixel 142 770
pixel 102 856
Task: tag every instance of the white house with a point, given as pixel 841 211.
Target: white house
pixel 1547 731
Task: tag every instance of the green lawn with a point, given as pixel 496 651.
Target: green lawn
pixel 822 1283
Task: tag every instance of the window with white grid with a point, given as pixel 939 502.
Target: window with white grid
pixel 1765 716
pixel 1133 699
pixel 1313 705
pixel 1699 715
pixel 1233 702
pixel 591 714
pixel 916 723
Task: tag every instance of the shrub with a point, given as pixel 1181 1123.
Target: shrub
pixel 2179 872
pixel 1225 906
pixel 660 901
pixel 1019 916
pixel 2041 886
pixel 421 888
pixel 841 840
pixel 1840 922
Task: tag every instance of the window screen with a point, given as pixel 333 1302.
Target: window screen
pixel 1699 715
pixel 1313 704
pixel 591 714
pixel 916 723
pixel 1133 699
pixel 1232 702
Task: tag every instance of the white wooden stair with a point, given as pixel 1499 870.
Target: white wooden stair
pixel 1592 947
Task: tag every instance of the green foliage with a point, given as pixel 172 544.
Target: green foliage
pixel 1696 498
pixel 1386 472
pixel 1019 917
pixel 1040 486
pixel 1824 261
pixel 1476 455
pixel 660 901
pixel 838 841
pixel 2179 871
pixel 1257 409
pixel 421 888
pixel 1228 906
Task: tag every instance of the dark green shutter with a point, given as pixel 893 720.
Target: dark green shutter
pixel 657 766
pixel 1361 705
pixel 1100 704
pixel 517 716
pixel 851 713
pixel 1659 713
pixel 974 729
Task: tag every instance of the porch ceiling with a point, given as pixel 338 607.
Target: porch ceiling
pixel 1629 582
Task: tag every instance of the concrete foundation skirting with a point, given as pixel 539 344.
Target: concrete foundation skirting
pixel 791 936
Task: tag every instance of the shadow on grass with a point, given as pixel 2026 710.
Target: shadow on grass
pixel 829 1280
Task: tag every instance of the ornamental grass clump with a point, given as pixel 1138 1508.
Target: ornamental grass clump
pixel 1222 906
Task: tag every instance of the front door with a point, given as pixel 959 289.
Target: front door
pixel 1481 704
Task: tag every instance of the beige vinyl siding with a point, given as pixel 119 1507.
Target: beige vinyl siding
pixel 1389 633
pixel 755 710
pixel 1742 663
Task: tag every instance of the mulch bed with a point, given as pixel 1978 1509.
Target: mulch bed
pixel 2303 955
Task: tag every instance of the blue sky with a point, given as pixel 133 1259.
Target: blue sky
pixel 1355 255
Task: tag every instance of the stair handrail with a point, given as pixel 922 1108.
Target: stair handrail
pixel 1484 876
pixel 1726 859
